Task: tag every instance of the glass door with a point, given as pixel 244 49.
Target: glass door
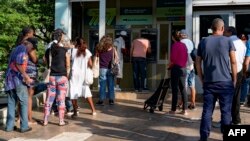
pixel 164 42
pixel 242 24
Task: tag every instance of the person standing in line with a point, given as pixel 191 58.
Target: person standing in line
pixel 69 106
pixel 139 49
pixel 81 61
pixel 105 50
pixel 240 56
pixel 218 77
pixel 32 71
pixel 16 82
pixel 119 43
pixel 190 76
pixel 177 66
pixel 246 76
pixel 58 81
pixel 27 32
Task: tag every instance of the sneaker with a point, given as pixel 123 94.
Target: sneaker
pixel 242 104
pixel 111 102
pixel 100 103
pixel 69 113
pixel 118 89
pixel 55 113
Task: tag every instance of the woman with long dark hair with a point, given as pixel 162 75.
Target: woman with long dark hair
pixel 81 58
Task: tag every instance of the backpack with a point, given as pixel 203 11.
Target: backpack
pixel 193 53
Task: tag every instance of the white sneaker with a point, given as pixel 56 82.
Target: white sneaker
pixel 118 89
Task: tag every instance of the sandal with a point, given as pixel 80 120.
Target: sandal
pixel 41 122
pixel 63 123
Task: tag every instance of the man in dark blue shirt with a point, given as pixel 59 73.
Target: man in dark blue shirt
pixel 218 56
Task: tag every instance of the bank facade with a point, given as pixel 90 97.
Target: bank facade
pixel 152 19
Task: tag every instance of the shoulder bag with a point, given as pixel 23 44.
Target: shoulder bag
pixel 96 66
pixel 114 63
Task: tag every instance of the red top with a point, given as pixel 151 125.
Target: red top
pixel 179 54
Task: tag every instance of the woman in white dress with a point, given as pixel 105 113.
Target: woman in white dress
pixel 81 57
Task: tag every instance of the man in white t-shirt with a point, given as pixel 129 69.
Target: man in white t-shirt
pixel 190 77
pixel 119 43
pixel 240 56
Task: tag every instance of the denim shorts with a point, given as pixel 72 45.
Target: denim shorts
pixel 190 78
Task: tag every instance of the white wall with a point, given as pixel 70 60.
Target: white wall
pixel 219 2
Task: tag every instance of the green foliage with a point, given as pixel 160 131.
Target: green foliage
pixel 16 14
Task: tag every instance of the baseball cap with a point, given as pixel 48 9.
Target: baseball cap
pixel 184 32
pixel 33 41
pixel 123 33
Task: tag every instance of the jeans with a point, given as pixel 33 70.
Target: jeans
pixel 244 89
pixel 178 77
pixel 139 72
pixel 106 79
pixel 223 91
pixel 19 94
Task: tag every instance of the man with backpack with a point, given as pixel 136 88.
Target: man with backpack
pixel 190 77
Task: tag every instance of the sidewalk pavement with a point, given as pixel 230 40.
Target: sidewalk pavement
pixel 126 120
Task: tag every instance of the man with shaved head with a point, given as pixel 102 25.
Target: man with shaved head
pixel 218 76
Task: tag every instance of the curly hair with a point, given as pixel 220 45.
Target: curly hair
pixel 105 43
pixel 81 45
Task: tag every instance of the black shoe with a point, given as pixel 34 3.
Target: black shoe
pixel 100 103
pixel 111 102
pixel 14 128
pixel 26 130
pixel 191 107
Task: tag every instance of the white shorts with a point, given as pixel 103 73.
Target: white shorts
pixel 120 74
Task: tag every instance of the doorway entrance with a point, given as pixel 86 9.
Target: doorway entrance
pixel 203 19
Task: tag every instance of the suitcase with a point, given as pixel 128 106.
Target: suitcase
pixel 157 99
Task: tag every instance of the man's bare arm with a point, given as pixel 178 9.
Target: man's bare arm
pixel 233 66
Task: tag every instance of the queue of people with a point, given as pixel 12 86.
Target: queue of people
pixel 225 66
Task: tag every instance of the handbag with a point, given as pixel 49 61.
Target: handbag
pixel 96 67
pixel 46 73
pixel 89 79
pixel 71 64
pixel 114 64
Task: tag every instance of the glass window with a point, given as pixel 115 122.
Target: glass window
pixel 206 22
pixel 243 24
pixel 164 42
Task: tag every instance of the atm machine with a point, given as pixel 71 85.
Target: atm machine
pixel 127 42
pixel 151 35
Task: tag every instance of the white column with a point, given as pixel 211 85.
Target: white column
pixel 62 16
pixel 102 18
pixel 189 18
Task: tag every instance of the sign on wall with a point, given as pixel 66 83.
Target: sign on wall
pixel 170 10
pixel 92 16
pixel 135 16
